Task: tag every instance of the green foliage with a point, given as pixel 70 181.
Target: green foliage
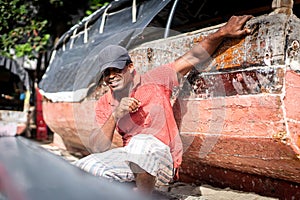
pixel 29 27
pixel 21 31
pixel 94 5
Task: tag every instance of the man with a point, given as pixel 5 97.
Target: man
pixel 139 108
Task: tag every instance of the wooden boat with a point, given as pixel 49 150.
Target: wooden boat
pixel 239 120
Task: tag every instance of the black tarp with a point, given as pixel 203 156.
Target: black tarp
pixel 29 172
pixel 73 71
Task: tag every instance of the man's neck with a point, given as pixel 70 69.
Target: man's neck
pixel 118 95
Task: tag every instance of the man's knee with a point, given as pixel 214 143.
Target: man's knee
pixel 136 168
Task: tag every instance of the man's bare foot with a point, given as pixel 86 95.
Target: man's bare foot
pixel 145 182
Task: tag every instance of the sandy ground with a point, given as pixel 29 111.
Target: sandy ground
pixel 179 190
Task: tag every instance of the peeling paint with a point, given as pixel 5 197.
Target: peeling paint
pixel 292 55
pixel 281 135
pixel 260 80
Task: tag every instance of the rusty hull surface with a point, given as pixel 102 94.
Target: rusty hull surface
pixel 239 116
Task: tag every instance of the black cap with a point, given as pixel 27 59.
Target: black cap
pixel 113 56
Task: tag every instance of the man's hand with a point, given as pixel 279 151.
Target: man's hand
pixel 100 140
pixel 234 28
pixel 127 105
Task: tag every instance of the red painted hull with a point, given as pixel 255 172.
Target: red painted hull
pixel 74 122
pixel 256 134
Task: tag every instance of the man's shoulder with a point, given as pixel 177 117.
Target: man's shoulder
pixel 168 66
pixel 161 74
pixel 160 70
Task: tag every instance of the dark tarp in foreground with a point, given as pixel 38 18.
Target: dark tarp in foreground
pixel 29 172
pixel 73 69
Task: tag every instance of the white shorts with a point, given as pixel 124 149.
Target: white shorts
pixel 145 150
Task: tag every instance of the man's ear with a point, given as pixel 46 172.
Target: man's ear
pixel 131 68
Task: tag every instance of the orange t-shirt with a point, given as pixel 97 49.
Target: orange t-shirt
pixel 154 116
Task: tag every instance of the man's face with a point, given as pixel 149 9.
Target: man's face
pixel 118 79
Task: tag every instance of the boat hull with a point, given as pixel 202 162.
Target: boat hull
pixel 238 116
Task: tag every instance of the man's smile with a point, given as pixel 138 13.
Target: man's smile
pixel 114 82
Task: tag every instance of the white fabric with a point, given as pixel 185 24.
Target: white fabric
pixel 145 150
pixel 103 19
pixel 133 11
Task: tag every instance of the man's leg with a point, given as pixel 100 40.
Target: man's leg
pixel 110 164
pixel 144 181
pixel 150 161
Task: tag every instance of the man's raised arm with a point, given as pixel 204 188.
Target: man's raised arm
pixel 234 28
